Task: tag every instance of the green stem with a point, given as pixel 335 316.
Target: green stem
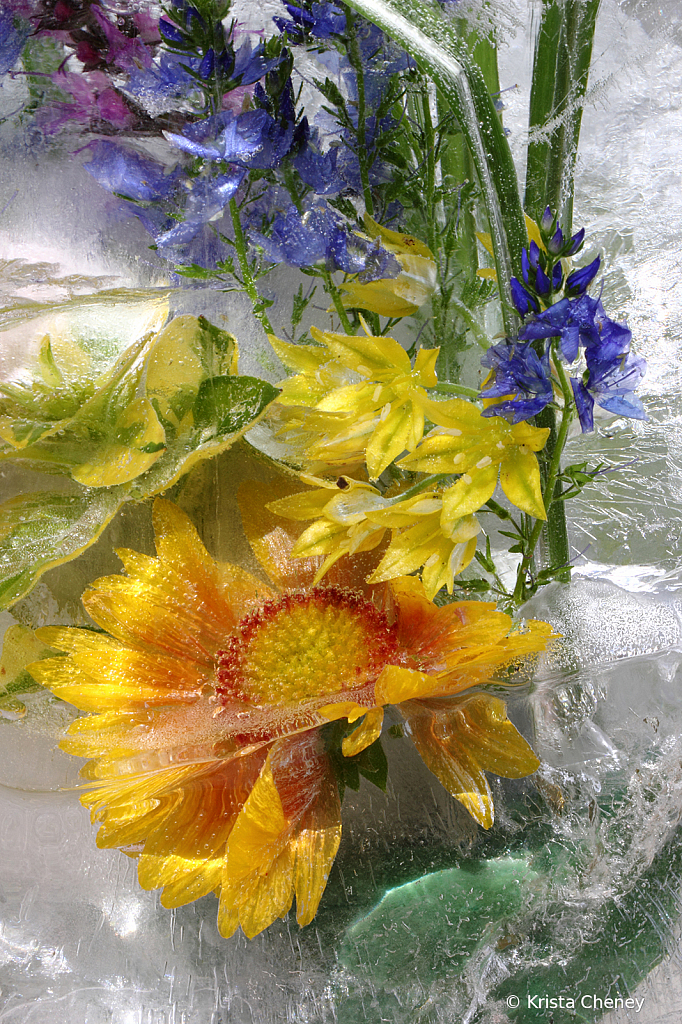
pixel 333 291
pixel 548 494
pixel 471 322
pixel 438 306
pixel 421 29
pixel 419 487
pixel 248 280
pixel 563 53
pixel 457 389
pixel 355 58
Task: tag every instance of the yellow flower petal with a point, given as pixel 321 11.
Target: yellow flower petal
pixel 316 846
pixel 319 539
pixel 257 832
pixel 302 358
pixel 520 481
pixel 365 734
pixel 460 740
pixel 470 493
pixel 375 358
pixel 396 241
pixel 377 297
pixel 425 367
pixel 344 709
pixel 486 240
pixel 302 505
pixel 401 429
pixel 396 684
pixel 534 232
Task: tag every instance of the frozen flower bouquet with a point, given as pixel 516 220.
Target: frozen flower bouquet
pixel 434 339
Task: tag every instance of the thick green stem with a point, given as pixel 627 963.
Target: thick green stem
pixel 355 58
pixel 471 322
pixel 563 52
pixel 438 310
pixel 248 280
pixel 548 494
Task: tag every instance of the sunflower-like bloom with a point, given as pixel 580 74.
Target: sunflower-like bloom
pixel 354 399
pixel 395 296
pixel 210 696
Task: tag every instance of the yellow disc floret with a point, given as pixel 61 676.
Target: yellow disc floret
pixel 305 645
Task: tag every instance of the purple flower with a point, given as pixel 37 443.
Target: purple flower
pixel 13 35
pixel 577 282
pixel 129 174
pixel 254 139
pixel 318 169
pixel 300 240
pixel 609 382
pixel 322 21
pixel 354 254
pixel 165 79
pixel 520 377
pixel 206 199
pixel 523 300
pixel 572 320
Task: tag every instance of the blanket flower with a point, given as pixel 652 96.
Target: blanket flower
pixel 212 696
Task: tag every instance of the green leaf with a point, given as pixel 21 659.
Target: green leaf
pixel 371 763
pixel 424 32
pixel 122 448
pixel 227 405
pixel 41 530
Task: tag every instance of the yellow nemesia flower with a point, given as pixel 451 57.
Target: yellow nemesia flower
pixel 481 448
pixel 362 399
pixel 208 693
pixel 350 516
pixel 401 295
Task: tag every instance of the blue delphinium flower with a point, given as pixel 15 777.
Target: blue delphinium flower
pixel 315 168
pixel 300 240
pixel 13 34
pixel 206 198
pixel 609 383
pixel 319 235
pixel 253 139
pixel 127 173
pixel 174 206
pixel 322 21
pixel 572 320
pixel 521 378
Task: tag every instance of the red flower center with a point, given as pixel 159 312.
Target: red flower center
pixel 304 645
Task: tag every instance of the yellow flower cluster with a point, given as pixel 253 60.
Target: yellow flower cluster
pixel 358 407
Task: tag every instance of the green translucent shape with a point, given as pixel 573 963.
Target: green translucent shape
pixel 431 927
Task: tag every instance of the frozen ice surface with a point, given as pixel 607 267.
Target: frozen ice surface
pixel 594 837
